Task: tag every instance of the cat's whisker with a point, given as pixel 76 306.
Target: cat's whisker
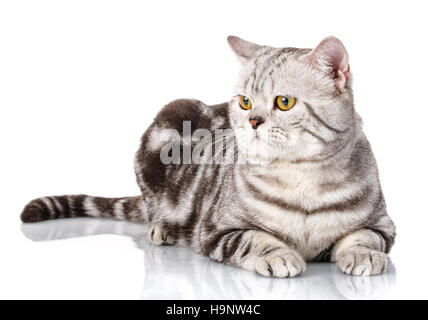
pixel 228 144
pixel 222 138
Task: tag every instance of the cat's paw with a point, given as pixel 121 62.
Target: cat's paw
pixel 362 262
pixel 159 236
pixel 281 263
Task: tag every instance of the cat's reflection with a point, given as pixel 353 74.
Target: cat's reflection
pixel 178 273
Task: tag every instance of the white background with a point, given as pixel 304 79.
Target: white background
pixel 80 81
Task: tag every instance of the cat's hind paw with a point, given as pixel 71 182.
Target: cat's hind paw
pixel 281 263
pixel 160 236
pixel 362 262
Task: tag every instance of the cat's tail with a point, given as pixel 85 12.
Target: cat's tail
pixel 56 207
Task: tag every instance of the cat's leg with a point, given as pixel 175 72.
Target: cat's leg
pixel 361 253
pixel 256 251
pixel 160 235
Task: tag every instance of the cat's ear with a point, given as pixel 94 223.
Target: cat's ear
pixel 331 56
pixel 245 50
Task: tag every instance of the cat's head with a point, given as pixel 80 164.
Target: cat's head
pixel 292 104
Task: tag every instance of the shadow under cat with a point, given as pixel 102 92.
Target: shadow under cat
pixel 178 273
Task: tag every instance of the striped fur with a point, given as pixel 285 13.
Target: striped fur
pixel 309 190
pixel 72 206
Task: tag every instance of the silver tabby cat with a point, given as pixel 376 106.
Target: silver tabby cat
pixel 308 191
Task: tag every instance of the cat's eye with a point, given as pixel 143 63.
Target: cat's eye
pixel 285 103
pixel 245 102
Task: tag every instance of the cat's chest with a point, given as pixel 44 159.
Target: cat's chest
pixel 289 185
pixel 290 203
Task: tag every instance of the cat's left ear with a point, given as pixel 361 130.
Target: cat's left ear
pixel 331 56
pixel 245 50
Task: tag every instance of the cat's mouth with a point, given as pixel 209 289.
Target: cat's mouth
pixel 259 138
pixel 262 145
pixel 256 136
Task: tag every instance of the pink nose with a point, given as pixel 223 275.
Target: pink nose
pixel 256 121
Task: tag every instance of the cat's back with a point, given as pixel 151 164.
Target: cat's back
pixel 156 172
pixel 200 116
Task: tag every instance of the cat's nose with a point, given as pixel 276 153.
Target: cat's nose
pixel 256 121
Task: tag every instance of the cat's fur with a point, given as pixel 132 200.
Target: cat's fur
pixel 309 190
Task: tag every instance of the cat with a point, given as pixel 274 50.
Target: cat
pixel 301 182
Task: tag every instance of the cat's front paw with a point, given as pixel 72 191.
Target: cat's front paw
pixel 362 262
pixel 280 263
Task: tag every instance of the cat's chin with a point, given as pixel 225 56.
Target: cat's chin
pixel 255 161
pixel 261 154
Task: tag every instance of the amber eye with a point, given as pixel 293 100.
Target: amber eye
pixel 284 103
pixel 245 103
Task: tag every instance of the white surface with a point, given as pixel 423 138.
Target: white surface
pixel 81 80
pixel 177 273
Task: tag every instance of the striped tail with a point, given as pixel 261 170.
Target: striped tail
pixel 56 207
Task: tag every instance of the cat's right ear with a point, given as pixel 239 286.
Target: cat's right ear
pixel 244 50
pixel 331 56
